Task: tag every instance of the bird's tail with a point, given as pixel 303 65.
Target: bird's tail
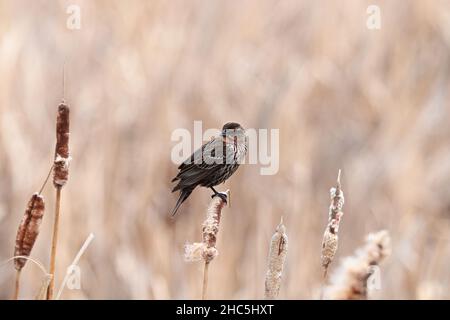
pixel 184 194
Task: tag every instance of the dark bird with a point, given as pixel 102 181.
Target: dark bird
pixel 212 164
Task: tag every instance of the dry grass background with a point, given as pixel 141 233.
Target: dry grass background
pixel 373 103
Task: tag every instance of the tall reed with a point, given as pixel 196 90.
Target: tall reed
pixel 60 177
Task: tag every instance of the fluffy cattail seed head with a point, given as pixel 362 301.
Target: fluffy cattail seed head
pixel 206 249
pixel 329 248
pixel 330 236
pixel 28 229
pixel 351 279
pixel 277 257
pixel 62 155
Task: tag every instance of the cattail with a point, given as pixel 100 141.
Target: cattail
pixel 206 250
pixel 330 236
pixel 27 234
pixel 62 156
pixel 28 229
pixel 277 256
pixel 351 279
pixel 60 176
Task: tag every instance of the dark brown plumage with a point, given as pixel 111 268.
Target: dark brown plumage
pixel 211 164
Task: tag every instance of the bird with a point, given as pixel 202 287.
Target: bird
pixel 212 164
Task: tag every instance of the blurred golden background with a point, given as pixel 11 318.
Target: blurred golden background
pixel 373 103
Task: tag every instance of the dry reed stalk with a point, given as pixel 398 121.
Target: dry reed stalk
pixel 206 250
pixel 330 236
pixel 27 235
pixel 277 257
pixel 17 285
pixel 60 177
pixel 42 293
pixel 349 282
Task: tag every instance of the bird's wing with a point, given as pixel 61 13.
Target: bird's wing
pixel 204 160
pixel 205 155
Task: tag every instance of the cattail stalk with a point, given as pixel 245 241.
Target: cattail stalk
pixel 277 257
pixel 54 243
pixel 330 236
pixel 60 177
pixel 42 293
pixel 27 235
pixel 206 250
pixel 17 285
pixel 205 280
pixel 351 278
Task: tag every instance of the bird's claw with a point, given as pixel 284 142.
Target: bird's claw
pixel 221 195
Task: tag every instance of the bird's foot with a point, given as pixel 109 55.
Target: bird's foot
pixel 221 195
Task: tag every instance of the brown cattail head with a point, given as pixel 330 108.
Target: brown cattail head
pixel 62 155
pixel 28 229
pixel 206 249
pixel 330 236
pixel 277 256
pixel 350 281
